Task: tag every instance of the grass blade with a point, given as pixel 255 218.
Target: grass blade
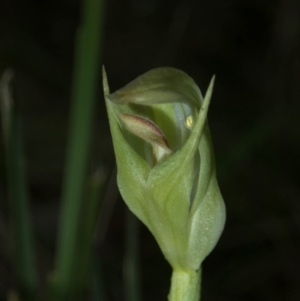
pixel 87 55
pixel 18 193
pixel 89 215
pixel 132 258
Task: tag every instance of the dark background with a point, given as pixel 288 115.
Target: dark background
pixel 253 47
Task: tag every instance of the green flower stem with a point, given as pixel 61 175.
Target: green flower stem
pixel 185 285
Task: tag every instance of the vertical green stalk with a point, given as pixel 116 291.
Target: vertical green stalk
pixel 87 55
pixel 96 279
pixel 18 194
pixel 185 285
pixel 132 260
pixel 89 215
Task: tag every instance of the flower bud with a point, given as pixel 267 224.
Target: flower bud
pixel 165 162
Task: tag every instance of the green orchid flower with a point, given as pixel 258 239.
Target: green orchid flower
pixel 166 169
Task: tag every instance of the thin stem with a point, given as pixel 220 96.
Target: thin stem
pixel 89 215
pixel 185 285
pixel 97 280
pixel 132 260
pixel 18 193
